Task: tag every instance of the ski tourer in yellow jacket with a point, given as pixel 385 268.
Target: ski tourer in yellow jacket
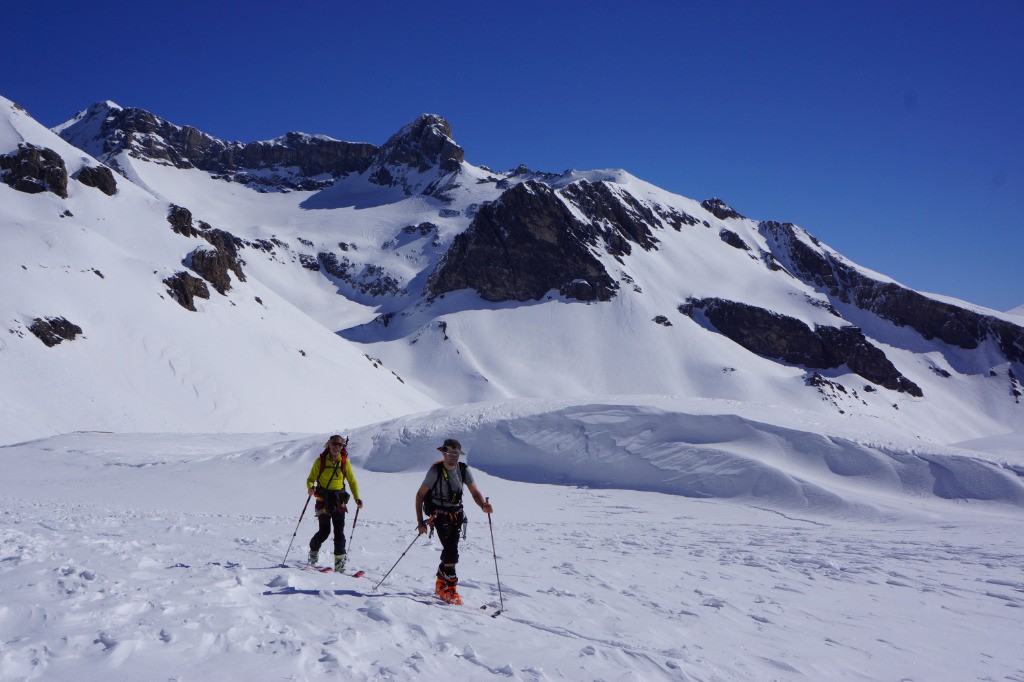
pixel 326 481
pixel 333 474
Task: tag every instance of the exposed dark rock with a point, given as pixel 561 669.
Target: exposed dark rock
pixel 779 337
pixel 676 219
pixel 423 144
pixel 617 216
pixel 180 219
pixel 733 239
pixel 53 330
pixel 422 229
pixel 581 290
pixel 100 177
pixel 185 288
pixel 309 262
pixel 213 265
pixel 662 320
pixel 371 280
pixel 267 163
pixel 34 169
pixel 519 248
pixel 719 209
pixel 897 304
pixel 336 267
pixel 227 246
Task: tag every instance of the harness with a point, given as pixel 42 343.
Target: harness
pixel 453 498
pixel 444 515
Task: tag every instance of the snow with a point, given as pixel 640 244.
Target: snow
pixel 667 505
pixel 134 556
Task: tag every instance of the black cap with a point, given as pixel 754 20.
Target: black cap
pixel 452 445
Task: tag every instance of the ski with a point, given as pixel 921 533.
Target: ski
pixel 328 569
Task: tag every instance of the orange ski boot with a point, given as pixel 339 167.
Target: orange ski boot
pixel 447 591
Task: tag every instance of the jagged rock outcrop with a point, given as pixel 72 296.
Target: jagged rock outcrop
pixel 180 219
pixel 719 209
pixel 100 177
pixel 904 307
pixel 733 240
pixel 522 246
pixel 215 262
pixel 33 169
pixel 422 146
pixel 293 161
pixel 185 288
pixel 617 216
pixel 370 280
pixel 53 330
pixel 780 337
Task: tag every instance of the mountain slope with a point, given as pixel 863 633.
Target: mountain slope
pixel 249 360
pixel 472 284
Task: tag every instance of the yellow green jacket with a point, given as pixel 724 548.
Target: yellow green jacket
pixel 339 478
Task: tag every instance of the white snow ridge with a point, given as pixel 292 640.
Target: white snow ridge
pixel 668 504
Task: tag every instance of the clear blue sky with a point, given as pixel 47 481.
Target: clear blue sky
pixel 891 130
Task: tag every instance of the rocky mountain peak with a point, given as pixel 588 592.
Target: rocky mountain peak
pixel 420 146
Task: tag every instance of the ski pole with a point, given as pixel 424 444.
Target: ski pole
pixel 352 533
pixel 296 531
pixel 495 553
pixel 399 559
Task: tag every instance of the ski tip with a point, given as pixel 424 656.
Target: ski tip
pixel 359 574
pixel 496 613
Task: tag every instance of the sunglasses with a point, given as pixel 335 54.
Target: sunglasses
pixel 337 443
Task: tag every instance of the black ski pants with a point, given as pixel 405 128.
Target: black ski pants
pixel 448 526
pixel 331 509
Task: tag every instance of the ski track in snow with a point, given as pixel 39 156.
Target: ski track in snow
pixel 107 593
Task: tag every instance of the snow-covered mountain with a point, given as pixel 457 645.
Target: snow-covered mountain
pixel 303 255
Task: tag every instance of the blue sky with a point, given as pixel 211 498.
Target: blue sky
pixel 893 131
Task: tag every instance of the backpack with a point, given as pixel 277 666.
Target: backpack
pixel 323 466
pixel 454 498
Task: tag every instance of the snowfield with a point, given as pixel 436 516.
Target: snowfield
pixel 146 557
